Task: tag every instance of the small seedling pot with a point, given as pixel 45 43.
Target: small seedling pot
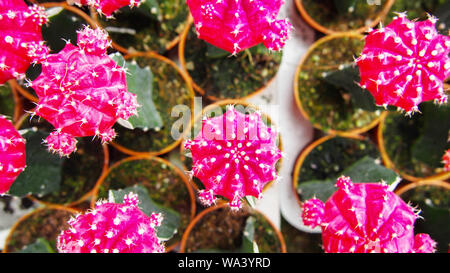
pixel 171 88
pixel 324 105
pixel 44 222
pixel 226 231
pixel 221 76
pixel 167 185
pixel 197 125
pixel 156 29
pixel 332 22
pixel 396 147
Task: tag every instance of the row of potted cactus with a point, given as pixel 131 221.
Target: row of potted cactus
pixel 102 88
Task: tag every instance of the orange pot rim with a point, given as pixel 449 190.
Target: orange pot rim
pixel 390 164
pixel 168 148
pixel 223 205
pixel 150 158
pixel 304 154
pixel 219 104
pixel 197 88
pixel 350 132
pixel 314 24
pixel 412 185
pixel 29 214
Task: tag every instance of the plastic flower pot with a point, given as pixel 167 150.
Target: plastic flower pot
pixel 328 16
pixel 325 89
pixel 433 199
pixel 54 180
pixel 165 183
pixel 62 27
pixel 325 159
pixel 43 223
pixel 153 26
pixel 217 75
pixel 414 146
pixel 218 229
pixel 10 102
pixel 170 89
pixel 212 110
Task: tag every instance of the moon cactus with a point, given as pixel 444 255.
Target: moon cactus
pixel 20 38
pixel 405 63
pixel 234 25
pixel 12 154
pixel 82 92
pixel 234 156
pixel 106 7
pixel 112 228
pixel 364 218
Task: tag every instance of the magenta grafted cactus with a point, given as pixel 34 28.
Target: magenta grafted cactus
pixel 112 228
pixel 20 38
pixel 12 154
pixel 446 160
pixel 405 63
pixel 234 25
pixel 365 218
pixel 107 7
pixel 234 156
pixel 82 92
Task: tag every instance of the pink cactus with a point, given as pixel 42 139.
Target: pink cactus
pixel 12 154
pixel 234 156
pixel 446 160
pixel 234 25
pixel 405 63
pixel 106 7
pixel 20 38
pixel 112 228
pixel 82 92
pixel 365 217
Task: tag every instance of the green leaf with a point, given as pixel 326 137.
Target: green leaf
pixel 367 170
pixel 41 245
pixel 347 79
pixel 214 52
pixel 140 82
pixel 44 169
pixel 321 189
pixel 152 8
pixel 362 171
pixel 251 200
pixel 248 239
pixel 171 218
pixel 345 6
pixel 432 143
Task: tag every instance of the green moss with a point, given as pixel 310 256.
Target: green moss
pixel 228 76
pixel 330 158
pixel 164 184
pixel 326 105
pixel 326 14
pixel 169 90
pixel 6 101
pixel 144 28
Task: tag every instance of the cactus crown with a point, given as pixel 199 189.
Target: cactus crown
pixel 234 155
pixel 366 217
pixel 405 63
pixel 112 228
pixel 235 25
pixel 82 92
